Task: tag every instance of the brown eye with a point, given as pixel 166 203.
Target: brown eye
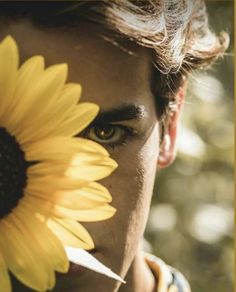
pixel 104 132
pixel 110 135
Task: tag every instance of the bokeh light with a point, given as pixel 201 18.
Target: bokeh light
pixel 191 219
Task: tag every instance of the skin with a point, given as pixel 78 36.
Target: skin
pixel 111 78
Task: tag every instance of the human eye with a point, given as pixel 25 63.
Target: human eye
pixel 110 135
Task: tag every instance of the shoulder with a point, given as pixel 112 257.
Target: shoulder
pixel 169 279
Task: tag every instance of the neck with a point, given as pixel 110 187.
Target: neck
pixel 139 277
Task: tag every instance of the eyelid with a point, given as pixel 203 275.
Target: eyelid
pixel 129 133
pixel 129 130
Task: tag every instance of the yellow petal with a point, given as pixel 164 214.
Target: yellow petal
pixel 75 200
pixel 45 91
pixel 83 198
pixel 90 167
pixel 92 192
pixel 73 176
pixel 78 230
pixel 45 239
pixel 22 257
pixel 31 70
pixel 82 116
pixel 95 191
pixel 60 148
pixel 71 89
pixel 98 213
pixel 34 237
pixel 8 72
pixel 5 284
pixel 53 113
pixel 53 183
pixel 71 233
pixel 46 168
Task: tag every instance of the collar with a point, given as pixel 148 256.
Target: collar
pixel 168 278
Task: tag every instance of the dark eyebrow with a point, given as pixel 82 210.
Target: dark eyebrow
pixel 122 113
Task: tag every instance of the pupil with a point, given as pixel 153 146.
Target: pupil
pixel 105 132
pixel 12 172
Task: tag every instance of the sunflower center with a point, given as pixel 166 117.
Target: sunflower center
pixel 12 172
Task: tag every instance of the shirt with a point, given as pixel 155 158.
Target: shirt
pixel 168 278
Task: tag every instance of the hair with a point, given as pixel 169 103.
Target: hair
pixel 176 33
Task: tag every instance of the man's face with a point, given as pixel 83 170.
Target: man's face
pixel 127 126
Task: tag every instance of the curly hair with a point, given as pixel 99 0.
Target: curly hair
pixel 176 32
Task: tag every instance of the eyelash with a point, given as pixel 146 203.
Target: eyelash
pixel 128 134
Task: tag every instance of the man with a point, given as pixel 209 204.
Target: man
pixel 132 58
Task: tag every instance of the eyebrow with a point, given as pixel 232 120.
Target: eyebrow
pixel 121 113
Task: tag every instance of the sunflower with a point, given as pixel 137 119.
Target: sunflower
pixel 48 175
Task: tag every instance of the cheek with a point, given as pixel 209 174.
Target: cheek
pixel 131 186
pixel 139 179
pixel 136 169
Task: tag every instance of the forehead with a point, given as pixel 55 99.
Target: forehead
pixel 109 75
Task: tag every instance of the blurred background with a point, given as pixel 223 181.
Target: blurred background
pixel 191 224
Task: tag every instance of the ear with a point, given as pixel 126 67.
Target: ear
pixel 168 146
